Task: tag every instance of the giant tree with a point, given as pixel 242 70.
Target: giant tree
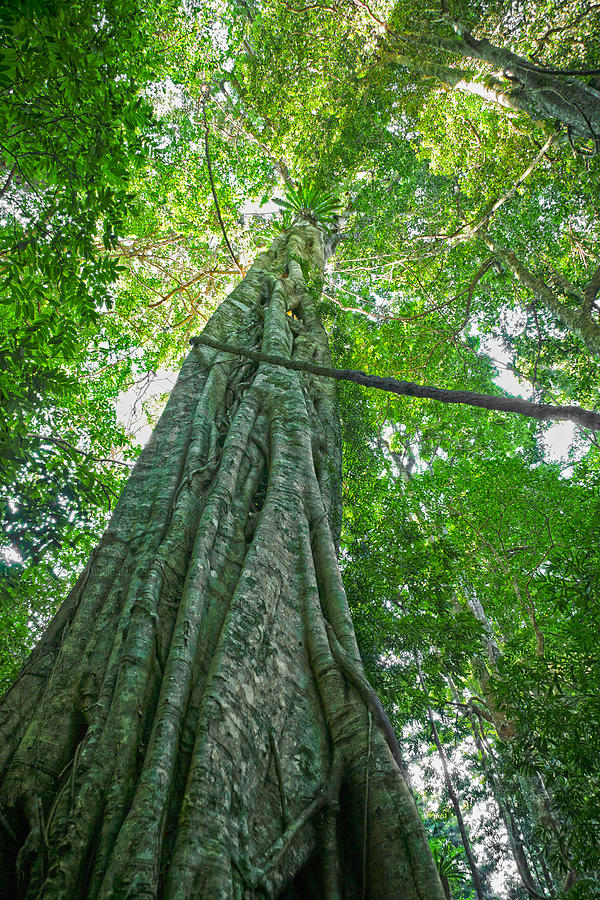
pixel 195 721
pixel 196 712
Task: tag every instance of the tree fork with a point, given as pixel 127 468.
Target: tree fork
pixel 553 95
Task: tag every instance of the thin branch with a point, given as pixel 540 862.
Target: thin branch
pixel 65 445
pixel 471 289
pixel 245 129
pixel 9 180
pixel 575 320
pixel 214 193
pixel 543 412
pixel 469 231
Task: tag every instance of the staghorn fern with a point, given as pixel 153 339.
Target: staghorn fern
pixel 449 862
pixel 309 201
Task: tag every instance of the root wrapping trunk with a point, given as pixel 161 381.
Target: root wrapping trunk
pixel 195 722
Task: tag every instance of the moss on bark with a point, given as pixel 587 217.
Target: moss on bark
pixel 184 728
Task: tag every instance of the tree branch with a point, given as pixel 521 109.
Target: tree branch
pixel 473 229
pixel 575 320
pixel 214 192
pixel 543 412
pixel 65 445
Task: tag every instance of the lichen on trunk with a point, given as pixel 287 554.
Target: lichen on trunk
pixel 195 722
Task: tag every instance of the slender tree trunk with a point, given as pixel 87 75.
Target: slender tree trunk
pixel 532 787
pixel 493 776
pixel 479 889
pixel 195 722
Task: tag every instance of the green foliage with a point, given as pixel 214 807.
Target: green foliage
pixel 75 127
pixel 448 859
pixel 309 202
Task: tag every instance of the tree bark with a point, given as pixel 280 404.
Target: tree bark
pixel 514 82
pixel 195 722
pixel 542 93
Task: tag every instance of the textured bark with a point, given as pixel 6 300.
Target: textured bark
pixel 542 93
pixel 195 722
pixel 514 83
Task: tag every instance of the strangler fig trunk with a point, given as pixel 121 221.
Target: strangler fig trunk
pixel 195 722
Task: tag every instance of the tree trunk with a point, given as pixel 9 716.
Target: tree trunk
pixel 542 93
pixel 195 722
pixel 494 779
pixel 514 82
pixel 532 787
pixel 464 836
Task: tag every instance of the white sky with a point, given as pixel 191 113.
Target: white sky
pixel 558 439
pixel 138 408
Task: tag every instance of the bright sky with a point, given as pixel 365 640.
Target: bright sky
pixel 558 439
pixel 139 408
